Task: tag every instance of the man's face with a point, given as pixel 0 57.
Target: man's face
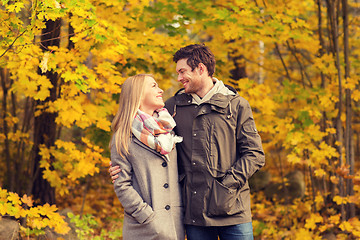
pixel 191 80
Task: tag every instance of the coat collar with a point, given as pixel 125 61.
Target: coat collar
pixel 138 142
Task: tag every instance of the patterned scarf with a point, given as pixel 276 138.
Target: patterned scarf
pixel 156 131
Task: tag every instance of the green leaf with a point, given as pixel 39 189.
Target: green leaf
pixel 304 117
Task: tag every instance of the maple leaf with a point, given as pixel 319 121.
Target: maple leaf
pixel 27 200
pixel 14 198
pixel 3 195
pixel 346 226
pixel 3 209
pixel 313 220
pixel 16 7
pixel 340 200
pixel 343 171
pixel 303 234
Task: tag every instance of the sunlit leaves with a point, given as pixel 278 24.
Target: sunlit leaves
pixel 290 84
pixel 71 164
pixel 311 223
pixel 15 6
pixel 37 217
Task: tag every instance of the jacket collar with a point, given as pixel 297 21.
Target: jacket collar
pixel 218 100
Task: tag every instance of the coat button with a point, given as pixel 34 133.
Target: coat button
pixel 164 164
pixel 166 185
pixel 167 207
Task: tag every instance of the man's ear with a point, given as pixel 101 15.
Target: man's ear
pixel 202 68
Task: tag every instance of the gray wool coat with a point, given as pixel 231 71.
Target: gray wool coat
pixel 148 189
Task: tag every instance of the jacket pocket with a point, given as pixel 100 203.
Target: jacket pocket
pixel 224 201
pixel 156 227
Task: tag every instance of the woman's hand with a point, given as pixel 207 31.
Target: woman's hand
pixel 113 172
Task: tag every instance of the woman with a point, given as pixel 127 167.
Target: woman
pixel 143 147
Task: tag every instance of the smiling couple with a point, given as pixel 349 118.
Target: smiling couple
pixel 184 166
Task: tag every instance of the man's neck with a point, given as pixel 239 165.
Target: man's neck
pixel 208 85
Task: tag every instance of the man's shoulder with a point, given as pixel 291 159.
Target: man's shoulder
pixel 170 102
pixel 180 94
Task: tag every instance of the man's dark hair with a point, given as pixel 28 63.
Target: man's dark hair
pixel 195 54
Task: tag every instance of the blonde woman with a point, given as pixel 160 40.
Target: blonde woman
pixel 143 147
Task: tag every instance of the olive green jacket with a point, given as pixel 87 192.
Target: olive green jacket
pixel 221 150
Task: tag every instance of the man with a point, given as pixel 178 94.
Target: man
pixel 221 149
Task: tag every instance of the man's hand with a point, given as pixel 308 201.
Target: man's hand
pixel 113 172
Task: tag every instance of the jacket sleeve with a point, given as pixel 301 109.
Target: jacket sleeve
pixel 130 199
pixel 250 154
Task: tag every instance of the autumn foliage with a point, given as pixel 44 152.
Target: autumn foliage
pixel 62 64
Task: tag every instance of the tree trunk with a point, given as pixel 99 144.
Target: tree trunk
pixel 349 147
pixel 10 178
pixel 323 85
pixel 44 124
pixel 339 131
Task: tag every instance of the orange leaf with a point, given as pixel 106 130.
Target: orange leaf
pixel 27 200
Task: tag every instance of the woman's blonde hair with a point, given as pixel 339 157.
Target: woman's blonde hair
pixel 129 103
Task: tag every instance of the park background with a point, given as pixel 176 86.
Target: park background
pixel 62 63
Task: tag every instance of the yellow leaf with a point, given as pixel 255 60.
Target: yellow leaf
pixel 319 201
pixel 37 223
pixel 340 200
pixel 104 124
pixel 3 209
pixel 3 195
pixel 33 213
pixel 346 226
pixel 355 95
pixel 292 158
pixel 313 220
pixel 16 7
pixel 319 172
pixel 14 198
pixel 334 179
pixel 350 83
pixel 303 234
pixel 335 219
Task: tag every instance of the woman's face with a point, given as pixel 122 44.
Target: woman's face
pixel 151 97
